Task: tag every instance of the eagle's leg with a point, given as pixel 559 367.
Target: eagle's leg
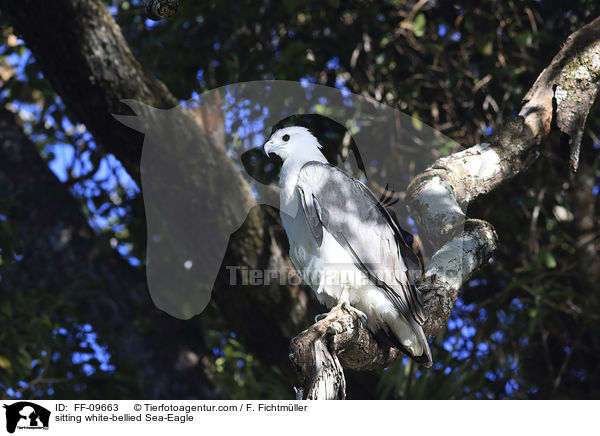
pixel 320 316
pixel 344 303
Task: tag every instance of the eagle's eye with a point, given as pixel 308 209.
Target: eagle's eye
pixel 286 138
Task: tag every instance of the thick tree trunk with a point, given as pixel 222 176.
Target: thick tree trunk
pixel 83 54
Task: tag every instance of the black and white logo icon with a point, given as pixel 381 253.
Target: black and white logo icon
pixel 26 415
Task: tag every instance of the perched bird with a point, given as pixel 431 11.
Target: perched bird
pixel 345 244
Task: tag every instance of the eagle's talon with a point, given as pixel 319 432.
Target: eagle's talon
pixel 353 310
pixel 320 316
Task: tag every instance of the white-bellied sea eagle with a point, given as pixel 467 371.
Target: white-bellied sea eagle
pixel 345 244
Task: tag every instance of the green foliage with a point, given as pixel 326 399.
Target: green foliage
pixel 239 373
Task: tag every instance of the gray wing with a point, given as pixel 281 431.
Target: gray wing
pixel 360 223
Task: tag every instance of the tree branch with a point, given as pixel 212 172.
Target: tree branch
pixel 84 55
pixel 438 200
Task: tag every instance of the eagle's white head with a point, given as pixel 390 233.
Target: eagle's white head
pixel 295 144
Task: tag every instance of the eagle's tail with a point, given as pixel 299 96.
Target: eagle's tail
pixel 391 337
pixel 425 358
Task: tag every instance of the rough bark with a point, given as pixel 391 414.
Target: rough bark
pixel 439 196
pixel 340 340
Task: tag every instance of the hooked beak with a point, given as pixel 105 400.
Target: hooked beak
pixel 268 147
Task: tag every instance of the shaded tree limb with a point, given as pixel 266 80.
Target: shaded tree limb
pixel 438 200
pixel 340 340
pixel 86 59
